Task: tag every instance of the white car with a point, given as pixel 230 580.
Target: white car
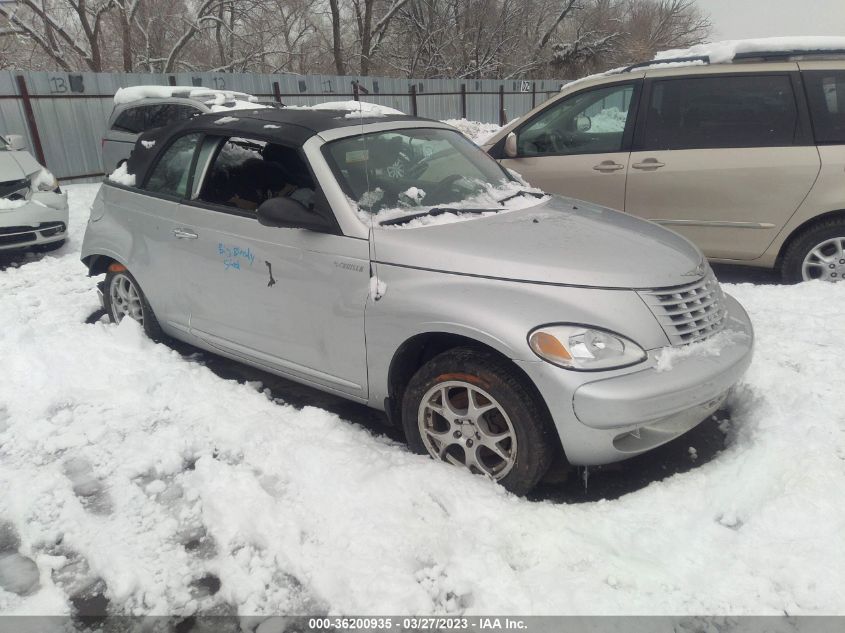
pixel 33 210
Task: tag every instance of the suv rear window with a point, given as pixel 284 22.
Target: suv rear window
pixel 167 113
pixel 131 120
pixel 826 94
pixel 143 118
pixel 713 112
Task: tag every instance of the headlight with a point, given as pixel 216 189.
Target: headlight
pixel 583 348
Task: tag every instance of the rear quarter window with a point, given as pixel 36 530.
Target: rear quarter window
pixel 826 96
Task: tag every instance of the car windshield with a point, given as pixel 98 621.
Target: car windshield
pixel 412 170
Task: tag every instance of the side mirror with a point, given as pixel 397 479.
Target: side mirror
pixel 510 145
pixel 583 123
pixel 289 214
pixel 14 142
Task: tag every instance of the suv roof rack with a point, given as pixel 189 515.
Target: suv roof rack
pixel 671 60
pixel 741 57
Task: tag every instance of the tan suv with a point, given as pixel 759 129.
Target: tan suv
pixel 746 159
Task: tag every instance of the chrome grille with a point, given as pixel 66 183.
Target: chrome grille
pixel 689 313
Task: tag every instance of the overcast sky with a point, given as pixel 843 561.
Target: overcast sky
pixel 739 19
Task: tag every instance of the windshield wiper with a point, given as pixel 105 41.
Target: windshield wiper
pixel 521 192
pixel 433 211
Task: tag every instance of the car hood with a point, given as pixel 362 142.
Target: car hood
pixel 558 241
pixel 15 165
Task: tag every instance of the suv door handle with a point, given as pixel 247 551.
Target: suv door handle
pixel 184 234
pixel 649 163
pixel 608 165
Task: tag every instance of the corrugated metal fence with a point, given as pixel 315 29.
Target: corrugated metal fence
pixel 64 115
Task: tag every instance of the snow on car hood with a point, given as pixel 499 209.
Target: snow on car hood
pixel 559 241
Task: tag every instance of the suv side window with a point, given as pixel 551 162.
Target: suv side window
pixel 720 112
pixel 246 172
pixel 171 172
pixel 590 122
pixel 166 113
pixel 132 120
pixel 826 94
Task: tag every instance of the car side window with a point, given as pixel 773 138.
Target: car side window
pixel 170 174
pixel 246 172
pixel 132 120
pixel 826 94
pixel 721 112
pixel 590 122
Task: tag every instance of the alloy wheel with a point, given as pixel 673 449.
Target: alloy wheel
pixel 125 299
pixel 462 424
pixel 826 261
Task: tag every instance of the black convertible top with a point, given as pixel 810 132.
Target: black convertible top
pixel 286 126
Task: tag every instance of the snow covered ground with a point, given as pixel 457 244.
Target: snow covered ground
pixel 132 472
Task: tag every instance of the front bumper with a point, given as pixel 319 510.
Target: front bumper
pixel 616 415
pixel 42 220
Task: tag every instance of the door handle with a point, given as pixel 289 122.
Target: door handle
pixel 184 234
pixel 608 166
pixel 649 163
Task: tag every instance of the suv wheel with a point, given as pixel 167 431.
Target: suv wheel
pixel 468 408
pixel 122 297
pixel 818 253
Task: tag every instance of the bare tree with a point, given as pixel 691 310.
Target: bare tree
pixel 414 38
pixel 66 30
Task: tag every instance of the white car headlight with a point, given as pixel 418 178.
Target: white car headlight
pixel 584 348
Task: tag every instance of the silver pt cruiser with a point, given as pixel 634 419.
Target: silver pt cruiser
pixel 387 259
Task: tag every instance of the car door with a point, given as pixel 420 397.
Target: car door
pixel 578 146
pixel 290 300
pixel 725 160
pixel 150 213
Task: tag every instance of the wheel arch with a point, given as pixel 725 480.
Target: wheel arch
pixel 417 350
pixel 805 226
pixel 98 264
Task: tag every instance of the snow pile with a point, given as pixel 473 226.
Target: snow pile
pixel 6 204
pixel 475 131
pixel 725 51
pixel 354 109
pixel 608 120
pixel 135 473
pixel 712 346
pixel 148 144
pixel 44 180
pixel 207 95
pixel 225 119
pixel 237 104
pixel 122 176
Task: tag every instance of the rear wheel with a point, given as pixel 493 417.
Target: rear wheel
pixel 818 253
pixel 469 408
pixel 123 297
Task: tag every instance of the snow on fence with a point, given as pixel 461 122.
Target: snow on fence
pixel 64 115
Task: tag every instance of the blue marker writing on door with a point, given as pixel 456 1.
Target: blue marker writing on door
pixel 235 257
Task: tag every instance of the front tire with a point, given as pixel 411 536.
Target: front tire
pixel 818 253
pixel 469 408
pixel 123 297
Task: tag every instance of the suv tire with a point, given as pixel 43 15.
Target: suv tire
pixel 122 297
pixel 507 435
pixel 828 237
